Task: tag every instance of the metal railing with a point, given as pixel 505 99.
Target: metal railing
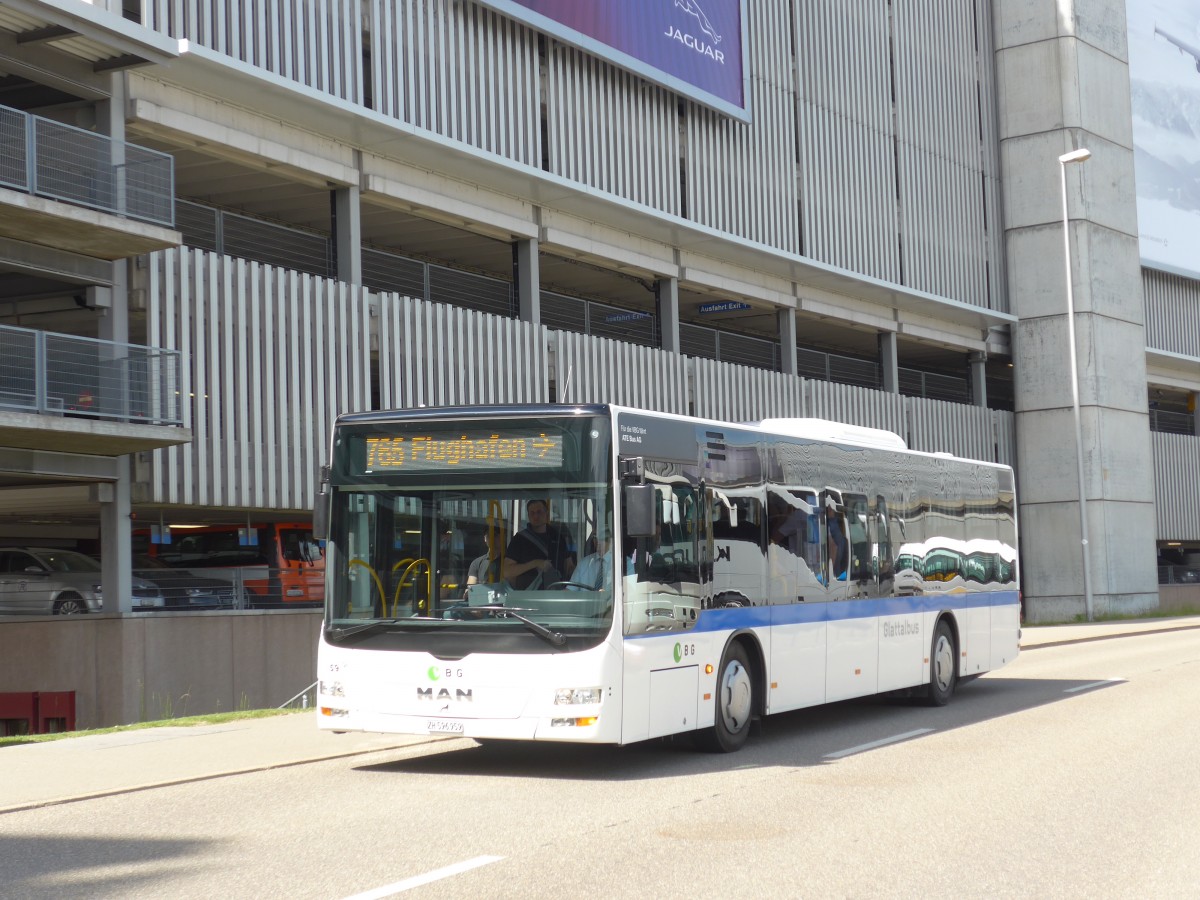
pixel 1179 574
pixel 60 374
pixel 62 162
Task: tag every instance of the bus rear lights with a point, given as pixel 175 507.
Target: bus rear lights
pixel 333 712
pixel 577 696
pixel 581 722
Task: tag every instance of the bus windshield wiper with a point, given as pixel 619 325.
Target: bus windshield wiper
pixel 507 612
pixel 340 634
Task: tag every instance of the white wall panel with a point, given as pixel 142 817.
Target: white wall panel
pixel 736 393
pixel 741 177
pixel 847 146
pixel 271 357
pixel 1176 485
pixel 459 70
pixel 939 157
pixel 317 43
pixel 431 354
pixel 599 370
pixel 610 130
pixel 1172 305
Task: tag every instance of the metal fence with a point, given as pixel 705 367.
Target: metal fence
pixel 62 162
pixel 59 374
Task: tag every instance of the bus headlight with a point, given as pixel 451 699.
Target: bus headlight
pixel 575 696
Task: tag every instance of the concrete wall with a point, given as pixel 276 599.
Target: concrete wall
pixel 133 668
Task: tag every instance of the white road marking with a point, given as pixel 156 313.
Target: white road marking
pixel 880 743
pixel 1095 684
pixel 408 884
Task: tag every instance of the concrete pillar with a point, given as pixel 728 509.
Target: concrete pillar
pixel 114 497
pixel 977 375
pixel 786 319
pixel 667 292
pixel 889 362
pixel 527 280
pixel 347 234
pixel 1059 67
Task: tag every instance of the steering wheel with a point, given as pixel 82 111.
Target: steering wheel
pixel 571 584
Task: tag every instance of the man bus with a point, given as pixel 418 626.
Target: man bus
pixel 752 573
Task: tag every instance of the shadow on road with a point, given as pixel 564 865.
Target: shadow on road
pixel 802 738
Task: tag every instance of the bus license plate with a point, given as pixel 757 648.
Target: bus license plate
pixel 441 726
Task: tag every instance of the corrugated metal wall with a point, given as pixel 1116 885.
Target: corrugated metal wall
pixel 317 43
pixel 610 130
pixel 599 370
pixel 431 354
pixel 871 146
pixel 459 70
pixel 1176 485
pixel 1172 306
pixel 270 358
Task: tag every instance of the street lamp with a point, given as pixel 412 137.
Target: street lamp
pixel 1076 156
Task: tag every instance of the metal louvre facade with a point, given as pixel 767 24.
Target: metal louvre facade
pixel 872 145
pixel 270 358
pixel 317 43
pixel 458 70
pixel 1172 312
pixel 598 370
pixel 609 131
pixel 431 354
pixel 1177 485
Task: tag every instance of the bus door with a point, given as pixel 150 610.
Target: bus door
pixel 662 572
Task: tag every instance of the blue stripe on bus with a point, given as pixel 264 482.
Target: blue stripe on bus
pixel 838 610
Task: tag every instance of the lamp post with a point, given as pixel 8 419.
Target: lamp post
pixel 1076 156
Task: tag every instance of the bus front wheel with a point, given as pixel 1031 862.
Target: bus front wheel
pixel 734 703
pixel 943 666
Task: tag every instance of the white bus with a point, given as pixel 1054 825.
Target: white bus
pixel 752 570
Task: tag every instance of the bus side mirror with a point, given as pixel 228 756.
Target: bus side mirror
pixel 320 525
pixel 640 500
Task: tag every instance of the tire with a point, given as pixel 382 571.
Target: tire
pixel 736 702
pixel 70 605
pixel 943 666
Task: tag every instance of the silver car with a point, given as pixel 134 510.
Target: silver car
pixel 42 580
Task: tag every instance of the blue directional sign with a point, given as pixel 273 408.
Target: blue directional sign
pixel 723 306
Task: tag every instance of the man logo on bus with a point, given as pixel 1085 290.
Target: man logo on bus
pixel 444 694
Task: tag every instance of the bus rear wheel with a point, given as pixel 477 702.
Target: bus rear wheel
pixel 734 703
pixel 943 666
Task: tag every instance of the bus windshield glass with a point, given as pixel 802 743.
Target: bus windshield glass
pixel 471 535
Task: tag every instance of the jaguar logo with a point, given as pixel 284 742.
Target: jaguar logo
pixel 692 8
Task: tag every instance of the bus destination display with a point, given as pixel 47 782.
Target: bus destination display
pixel 455 451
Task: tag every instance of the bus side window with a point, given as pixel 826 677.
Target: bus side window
pixel 860 541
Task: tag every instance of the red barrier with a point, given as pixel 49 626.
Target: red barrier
pixel 37 712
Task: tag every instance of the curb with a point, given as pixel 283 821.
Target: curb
pixel 211 776
pixel 1107 637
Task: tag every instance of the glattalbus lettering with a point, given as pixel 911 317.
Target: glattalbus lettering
pixel 900 629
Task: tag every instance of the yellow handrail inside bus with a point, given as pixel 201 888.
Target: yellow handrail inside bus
pixel 374 577
pixel 414 564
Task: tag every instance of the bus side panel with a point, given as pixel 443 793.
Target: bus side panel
pixel 1006 628
pixel 978 656
pixel 635 689
pixel 797 660
pixel 853 658
pixel 904 638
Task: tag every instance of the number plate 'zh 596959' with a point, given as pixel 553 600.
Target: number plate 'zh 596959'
pixel 441 726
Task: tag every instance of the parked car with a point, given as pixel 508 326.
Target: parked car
pixel 184 589
pixel 41 580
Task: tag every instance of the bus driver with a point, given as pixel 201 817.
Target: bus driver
pixel 540 553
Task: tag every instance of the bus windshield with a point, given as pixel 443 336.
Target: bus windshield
pixel 471 536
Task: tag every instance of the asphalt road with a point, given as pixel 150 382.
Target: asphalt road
pixel 1071 773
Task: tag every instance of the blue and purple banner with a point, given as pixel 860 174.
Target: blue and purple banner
pixel 694 47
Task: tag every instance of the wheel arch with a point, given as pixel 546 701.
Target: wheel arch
pixel 951 620
pixel 754 651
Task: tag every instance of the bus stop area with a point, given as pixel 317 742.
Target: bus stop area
pixel 86 766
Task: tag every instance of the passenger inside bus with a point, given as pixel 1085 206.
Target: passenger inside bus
pixel 595 569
